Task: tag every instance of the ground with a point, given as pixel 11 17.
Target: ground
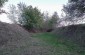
pixel 37 44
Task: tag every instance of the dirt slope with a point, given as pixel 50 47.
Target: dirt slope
pixel 11 32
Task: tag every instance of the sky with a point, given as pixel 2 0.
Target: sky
pixel 49 6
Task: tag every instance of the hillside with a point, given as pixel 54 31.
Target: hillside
pixel 14 40
pixel 73 33
pixel 11 32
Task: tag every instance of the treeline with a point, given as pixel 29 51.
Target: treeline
pixel 1 5
pixel 32 18
pixel 74 12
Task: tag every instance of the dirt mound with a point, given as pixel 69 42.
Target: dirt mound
pixel 75 33
pixel 11 32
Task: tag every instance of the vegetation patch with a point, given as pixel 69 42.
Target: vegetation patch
pixel 57 42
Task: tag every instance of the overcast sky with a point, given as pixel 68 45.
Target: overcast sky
pixel 44 5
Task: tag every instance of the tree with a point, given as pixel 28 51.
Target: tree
pixel 2 2
pixel 46 19
pixel 1 5
pixel 30 17
pixel 74 9
pixel 54 20
pixel 50 22
pixel 12 15
pixel 21 8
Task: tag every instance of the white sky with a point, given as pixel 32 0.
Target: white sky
pixel 44 5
